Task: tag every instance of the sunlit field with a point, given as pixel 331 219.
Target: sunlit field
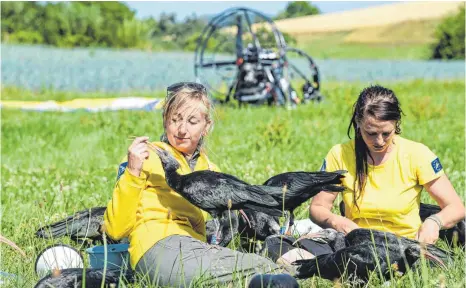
pixel 54 164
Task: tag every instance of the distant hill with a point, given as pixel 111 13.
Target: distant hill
pixel 392 31
pixel 382 15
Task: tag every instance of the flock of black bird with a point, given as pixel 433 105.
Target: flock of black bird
pixel 217 192
pixel 453 236
pixel 357 253
pixel 260 207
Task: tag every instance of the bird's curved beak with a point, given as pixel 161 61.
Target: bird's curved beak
pixel 12 244
pixel 245 217
pixel 158 151
pixel 155 149
pixel 433 258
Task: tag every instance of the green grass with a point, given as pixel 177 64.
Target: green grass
pixel 54 164
pixel 407 40
pixel 334 46
pixel 11 93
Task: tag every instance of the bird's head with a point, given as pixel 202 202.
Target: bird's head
pixel 414 252
pixel 169 162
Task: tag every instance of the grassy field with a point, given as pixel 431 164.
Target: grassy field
pixel 54 164
pixel 407 40
pixel 401 30
pixel 333 46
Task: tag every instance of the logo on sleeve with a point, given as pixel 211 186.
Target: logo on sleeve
pixel 436 165
pixel 121 169
pixel 324 166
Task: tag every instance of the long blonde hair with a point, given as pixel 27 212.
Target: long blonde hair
pixel 182 93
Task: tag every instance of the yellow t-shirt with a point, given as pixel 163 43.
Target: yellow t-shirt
pixel 391 199
pixel 146 210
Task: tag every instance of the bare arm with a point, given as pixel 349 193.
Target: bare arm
pixel 451 204
pixel 320 212
pixel 446 197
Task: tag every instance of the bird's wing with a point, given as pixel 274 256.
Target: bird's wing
pixel 305 178
pixel 324 266
pixel 245 193
pixel 306 184
pixel 85 223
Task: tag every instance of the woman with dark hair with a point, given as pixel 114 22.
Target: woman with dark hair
pixel 386 174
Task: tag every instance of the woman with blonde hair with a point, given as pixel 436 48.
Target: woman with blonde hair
pixel 167 233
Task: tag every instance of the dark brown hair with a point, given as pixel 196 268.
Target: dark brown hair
pixel 378 102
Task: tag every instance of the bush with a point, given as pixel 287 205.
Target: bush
pixel 298 9
pixel 450 37
pixel 26 37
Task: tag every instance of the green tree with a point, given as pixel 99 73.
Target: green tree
pixel 21 21
pixel 450 37
pixel 56 25
pixel 298 9
pixel 105 24
pixel 133 33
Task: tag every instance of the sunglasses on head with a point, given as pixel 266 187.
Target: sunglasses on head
pixel 180 85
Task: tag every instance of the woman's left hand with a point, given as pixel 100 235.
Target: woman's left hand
pixel 428 233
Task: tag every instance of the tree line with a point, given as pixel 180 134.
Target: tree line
pixel 107 24
pixel 113 24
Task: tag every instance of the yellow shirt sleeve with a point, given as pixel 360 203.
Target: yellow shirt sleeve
pixel 427 165
pixel 331 162
pixel 120 216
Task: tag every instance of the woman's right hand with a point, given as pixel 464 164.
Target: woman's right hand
pixel 343 224
pixel 137 153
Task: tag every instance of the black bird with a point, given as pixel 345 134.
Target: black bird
pixel 301 186
pixel 73 277
pixel 448 235
pixel 273 281
pixel 338 240
pixel 216 192
pixel 83 224
pixel 258 225
pixel 227 230
pixel 255 225
pixel 358 261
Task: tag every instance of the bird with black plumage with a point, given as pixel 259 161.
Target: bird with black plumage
pixel 300 186
pixel 85 224
pixel 357 262
pixel 228 229
pixel 216 192
pixel 89 278
pixel 338 241
pixel 453 236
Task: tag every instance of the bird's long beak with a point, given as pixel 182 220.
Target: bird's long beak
pixel 434 258
pixel 245 217
pixel 317 236
pixel 158 151
pixel 12 244
pixel 154 148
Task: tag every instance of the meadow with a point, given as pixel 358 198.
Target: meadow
pixel 54 164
